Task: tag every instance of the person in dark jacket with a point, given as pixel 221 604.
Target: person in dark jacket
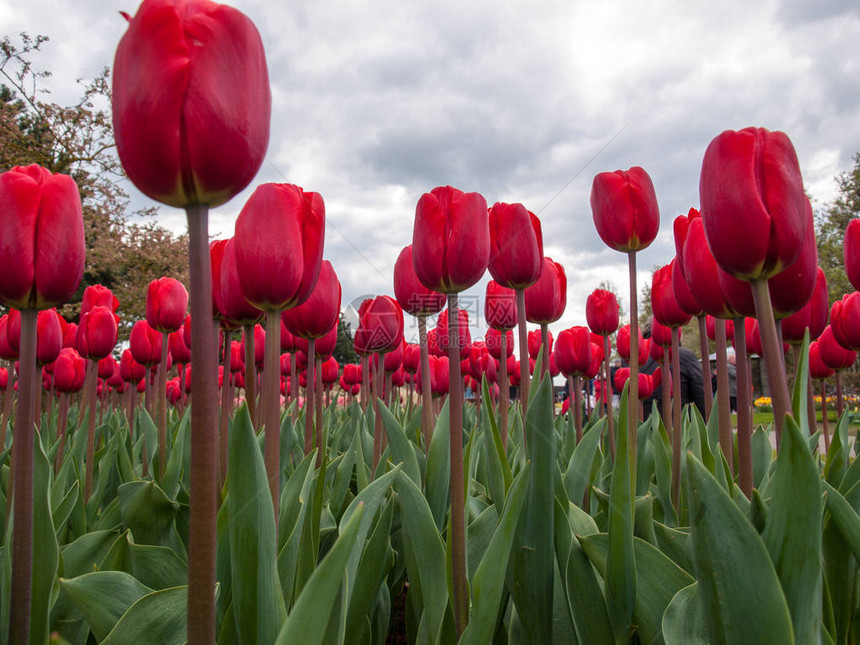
pixel 692 386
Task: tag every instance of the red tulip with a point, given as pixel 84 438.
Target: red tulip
pixel 623 345
pixel 817 368
pixel 752 335
pixel 493 339
pixel 845 320
pixel 710 328
pixel 596 361
pixel 661 335
pixel 97 295
pixel 573 351
pixel 700 269
pixel 237 357
pixel 166 304
pixel 216 257
pixel 597 340
pixel 288 341
pixel 686 300
pixel 179 348
pixel 380 326
pixel 325 346
pixel 259 344
pixel 655 350
pixel 49 338
pixel 546 299
pixel 191 101
pixel 680 228
pixel 751 190
pixel 434 347
pixel 813 315
pixel 69 371
pixel 97 333
pixel 792 288
pixel 234 305
pixel 145 344
pixel 624 207
pixel 411 295
pixel 329 370
pixel 834 355
pixel 601 312
pixel 645 381
pixel 516 246
pixel 500 306
pixel 440 379
pixel 665 306
pixel 130 370
pixel 393 359
pixel 106 367
pixel 851 252
pixel 278 270
pixel 464 338
pixel 451 239
pixel 43 250
pixel 411 357
pixel 737 294
pixel 315 317
pixel 70 333
pixel 534 343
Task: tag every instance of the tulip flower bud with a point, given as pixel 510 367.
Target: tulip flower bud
pixel 623 345
pixel 817 368
pixel 393 359
pixel 493 339
pixel 791 288
pixel 166 304
pixel 237 357
pixel 601 312
pixel 737 294
pixel 97 295
pixel 546 299
pixel 49 337
pixel 573 351
pixel 661 335
pixel 69 371
pixel 259 344
pixel 412 296
pixel 624 208
pixel 700 269
pixel 851 252
pixel 106 367
pixel 534 343
pixel 191 101
pixel 516 246
pixel 450 239
pixel 845 321
pixel 234 306
pixel 130 370
pixel 666 309
pixel 178 347
pixel 43 249
pixel 315 317
pixel 380 326
pixel 751 189
pixel 329 370
pixel 464 337
pixel 325 346
pixel 500 306
pixel 97 333
pixel 411 358
pixel 7 353
pixel 680 228
pixel 834 355
pixel 812 316
pixel 145 344
pixel 681 289
pixel 278 270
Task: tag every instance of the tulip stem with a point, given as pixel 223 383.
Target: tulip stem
pixel 840 404
pixel 458 518
pixel 250 373
pixel 62 420
pixel 427 420
pixel 576 410
pixel 723 407
pixel 224 425
pixel 504 389
pixel 162 406
pixel 607 395
pixel 810 405
pixel 309 397
pixel 745 422
pixel 773 357
pixel 318 401
pixel 665 390
pixel 22 473
pixel 825 422
pixel 704 350
pixel 294 384
pixel 633 389
pixel 203 503
pixel 365 382
pixel 90 386
pixel 525 379
pixel 377 366
pixel 676 418
pixel 272 405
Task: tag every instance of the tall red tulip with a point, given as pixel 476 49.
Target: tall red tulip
pixel 69 371
pixel 145 344
pixel 601 312
pixel 411 294
pixel 665 306
pixel 49 337
pixel 380 326
pixel 316 316
pixel 97 295
pixel 97 333
pixel 573 350
pixel 516 246
pixel 500 306
pixel 623 345
pixel 166 304
pixel 812 316
pixel 791 288
pixel 191 101
pixel 624 208
pixel 845 321
pixel 493 339
pixel 851 252
pixel 464 337
pixel 546 299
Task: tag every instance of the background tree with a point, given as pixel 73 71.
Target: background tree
pixel 830 224
pixel 344 351
pixel 125 248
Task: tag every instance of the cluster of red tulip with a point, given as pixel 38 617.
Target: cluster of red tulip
pixel 748 258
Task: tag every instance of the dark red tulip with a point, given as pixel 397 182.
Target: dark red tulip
pixel 288 341
pixel 817 368
pixel 493 339
pixel 737 294
pixel 624 208
pixel 315 317
pixel 597 340
pixel 166 304
pixel 393 359
pixel 710 328
pixel 191 101
pixel 573 351
pixel 623 345
pixel 516 246
pixel 69 371
pixel 97 333
pixel 106 367
pixel 664 305
pixel 646 383
pixel 464 337
pixel 234 306
pixel 500 306
pixel 700 270
pixel 411 294
pixel 751 189
pixel 661 335
pixel 178 347
pixel 601 312
pixel 97 295
pixel 450 239
pixel 596 361
pixel 680 228
pixel 145 344
pixel 440 379
pixel 380 326
pixel 70 334
pixel 325 346
pixel 130 370
pixel 813 315
pixel 285 361
pixel 534 343
pixel 43 249
pixel 115 380
pixel 851 252
pixel 845 320
pixel 352 374
pixel 216 257
pixel 411 357
pixel 834 355
pixel 329 370
pixel 259 344
pixel 49 339
pixel 546 299
pixel 655 350
pixel 237 357
pixel 686 299
pixel 433 343
pixel 278 270
pixel 752 335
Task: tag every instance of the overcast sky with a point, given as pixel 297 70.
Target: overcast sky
pixel 375 103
